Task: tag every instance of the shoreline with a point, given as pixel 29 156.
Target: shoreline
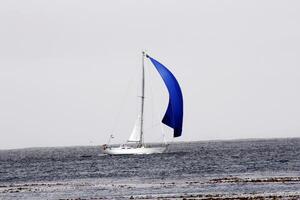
pixel 160 189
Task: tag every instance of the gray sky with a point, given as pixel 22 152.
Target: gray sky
pixel 65 67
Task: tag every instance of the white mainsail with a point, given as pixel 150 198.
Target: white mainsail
pixel 136 132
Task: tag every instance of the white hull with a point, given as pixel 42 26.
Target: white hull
pixel 133 150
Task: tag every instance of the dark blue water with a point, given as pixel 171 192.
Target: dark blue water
pixel 225 167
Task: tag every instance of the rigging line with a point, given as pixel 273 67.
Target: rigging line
pixel 147 128
pixel 122 103
pixel 151 93
pixel 155 114
pixel 150 78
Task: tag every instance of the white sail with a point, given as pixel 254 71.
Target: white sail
pixel 136 132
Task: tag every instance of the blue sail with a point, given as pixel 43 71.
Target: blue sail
pixel 174 114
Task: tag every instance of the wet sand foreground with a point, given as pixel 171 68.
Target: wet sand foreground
pixel 179 189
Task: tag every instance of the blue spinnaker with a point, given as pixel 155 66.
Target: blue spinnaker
pixel 174 114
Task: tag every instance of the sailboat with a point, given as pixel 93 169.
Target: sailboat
pixel 172 118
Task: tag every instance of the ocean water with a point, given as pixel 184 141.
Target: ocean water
pixel 219 169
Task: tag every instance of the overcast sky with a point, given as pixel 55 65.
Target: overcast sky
pixel 69 69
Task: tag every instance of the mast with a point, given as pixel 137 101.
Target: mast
pixel 142 99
